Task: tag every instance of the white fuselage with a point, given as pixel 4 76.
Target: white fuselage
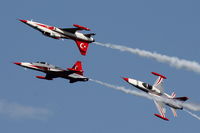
pixel 152 90
pixel 57 33
pixel 144 87
pixel 53 70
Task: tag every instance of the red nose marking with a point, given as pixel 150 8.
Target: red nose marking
pixel 126 79
pixel 24 21
pixel 17 63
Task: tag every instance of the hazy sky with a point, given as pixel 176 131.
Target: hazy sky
pixel 32 105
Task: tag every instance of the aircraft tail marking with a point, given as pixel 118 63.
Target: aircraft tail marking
pixel 77 67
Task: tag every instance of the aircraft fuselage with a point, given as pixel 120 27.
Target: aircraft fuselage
pixel 154 91
pixel 57 33
pixel 52 70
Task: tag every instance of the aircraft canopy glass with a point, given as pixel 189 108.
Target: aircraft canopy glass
pixel 42 62
pixel 147 86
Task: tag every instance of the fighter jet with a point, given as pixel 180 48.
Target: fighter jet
pixel 82 40
pixel 157 90
pixel 74 74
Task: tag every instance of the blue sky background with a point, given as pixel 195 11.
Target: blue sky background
pixel 167 27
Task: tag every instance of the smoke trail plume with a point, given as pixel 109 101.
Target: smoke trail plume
pixel 192 114
pixel 123 89
pixel 172 61
pixel 190 106
pixel 15 110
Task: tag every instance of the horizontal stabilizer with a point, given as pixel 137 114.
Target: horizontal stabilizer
pixel 164 118
pixel 181 98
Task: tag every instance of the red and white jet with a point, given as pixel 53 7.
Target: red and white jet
pixel 74 74
pixel 157 90
pixel 82 40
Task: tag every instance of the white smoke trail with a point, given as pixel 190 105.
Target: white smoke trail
pixel 192 114
pixel 15 110
pixel 123 89
pixel 172 61
pixel 133 92
pixel 190 106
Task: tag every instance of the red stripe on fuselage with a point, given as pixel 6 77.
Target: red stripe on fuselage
pixel 40 67
pixel 48 27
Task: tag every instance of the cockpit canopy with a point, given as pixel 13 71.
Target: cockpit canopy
pixel 147 86
pixel 47 64
pixel 42 62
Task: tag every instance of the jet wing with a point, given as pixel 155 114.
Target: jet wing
pixel 161 109
pixel 159 82
pixel 47 77
pixel 64 72
pixel 72 81
pixel 76 77
pixel 50 76
pixel 174 112
pixel 82 46
pixel 71 30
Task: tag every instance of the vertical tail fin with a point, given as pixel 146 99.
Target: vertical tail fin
pixel 173 95
pixel 82 46
pixel 183 99
pixel 77 67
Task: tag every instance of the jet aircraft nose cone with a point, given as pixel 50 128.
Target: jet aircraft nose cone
pixel 24 21
pixel 126 79
pixel 17 63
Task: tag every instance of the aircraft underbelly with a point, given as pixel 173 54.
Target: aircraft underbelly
pixel 154 92
pixel 143 89
pixel 69 35
pixel 174 106
pixel 76 76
